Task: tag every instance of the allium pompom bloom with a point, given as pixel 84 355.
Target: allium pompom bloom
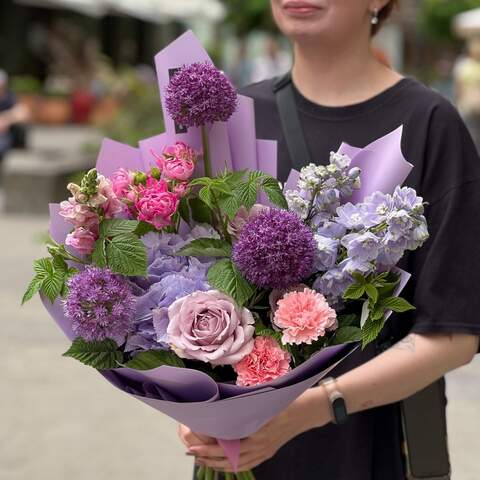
pixel 100 305
pixel 304 317
pixel 265 363
pixel 275 250
pixel 199 94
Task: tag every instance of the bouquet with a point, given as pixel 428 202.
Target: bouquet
pixel 189 278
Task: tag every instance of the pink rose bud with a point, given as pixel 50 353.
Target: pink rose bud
pixel 178 161
pixel 180 189
pixel 82 240
pixel 156 205
pixel 122 182
pixel 210 327
pixel 266 362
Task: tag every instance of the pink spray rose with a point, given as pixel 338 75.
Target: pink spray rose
pixel 122 182
pixel 266 362
pixel 304 317
pixel 79 214
pixel 155 204
pixel 180 189
pixel 82 240
pixel 243 216
pixel 178 161
pixel 210 327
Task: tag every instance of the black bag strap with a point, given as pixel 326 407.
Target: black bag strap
pixel 292 128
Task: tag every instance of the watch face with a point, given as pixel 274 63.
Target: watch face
pixel 339 411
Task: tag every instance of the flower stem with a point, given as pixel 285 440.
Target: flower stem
pixel 206 152
pixel 201 473
pixel 209 473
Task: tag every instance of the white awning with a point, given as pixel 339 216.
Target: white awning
pixel 156 11
pixel 467 23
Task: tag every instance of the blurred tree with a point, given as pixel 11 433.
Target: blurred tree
pixel 248 15
pixel 436 16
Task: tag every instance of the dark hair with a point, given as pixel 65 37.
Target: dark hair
pixel 383 15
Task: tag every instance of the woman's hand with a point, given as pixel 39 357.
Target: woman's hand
pixel 310 410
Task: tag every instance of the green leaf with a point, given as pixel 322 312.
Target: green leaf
pixel 397 304
pixel 32 289
pixel 387 289
pixel 268 332
pixel 184 210
pixel 52 285
pixel 205 195
pixel 100 355
pixel 371 331
pixel 201 213
pixel 274 193
pixel 372 292
pixel 154 358
pixel 127 255
pixel 232 178
pixel 347 320
pixel 99 254
pixel 206 247
pixel 246 193
pixel 354 292
pixel 200 181
pixel 43 267
pixel 229 205
pixel 224 276
pixel 112 227
pixel 346 335
pixel 143 228
pixel 359 278
pixel 255 176
pixel 59 264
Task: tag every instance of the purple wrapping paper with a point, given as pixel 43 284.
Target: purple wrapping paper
pixel 189 396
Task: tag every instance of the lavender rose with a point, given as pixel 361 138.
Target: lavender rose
pixel 210 327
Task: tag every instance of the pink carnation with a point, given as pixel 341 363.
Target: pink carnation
pixel 82 240
pixel 122 182
pixel 265 363
pixel 210 327
pixel 78 214
pixel 156 205
pixel 304 317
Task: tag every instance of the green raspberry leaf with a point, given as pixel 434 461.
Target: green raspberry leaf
pixel 354 292
pixel 206 247
pixel 32 289
pixel 112 227
pixel 99 254
pixel 224 276
pixel 154 358
pixel 101 355
pixel 397 304
pixel 346 335
pixel 52 285
pixel 274 193
pixel 127 255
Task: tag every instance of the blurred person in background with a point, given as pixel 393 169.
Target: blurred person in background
pixel 12 115
pixel 241 71
pixel 274 61
pixel 341 92
pixel 467 87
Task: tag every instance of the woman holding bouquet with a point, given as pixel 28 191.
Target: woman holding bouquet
pixel 343 93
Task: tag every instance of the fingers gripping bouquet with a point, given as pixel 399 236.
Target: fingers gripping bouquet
pixel 184 274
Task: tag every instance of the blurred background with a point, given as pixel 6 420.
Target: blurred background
pixel 73 71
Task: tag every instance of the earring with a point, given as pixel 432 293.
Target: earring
pixel 375 16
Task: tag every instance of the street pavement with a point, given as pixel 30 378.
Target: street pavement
pixel 60 420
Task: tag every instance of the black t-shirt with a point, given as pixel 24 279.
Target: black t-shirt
pixel 445 271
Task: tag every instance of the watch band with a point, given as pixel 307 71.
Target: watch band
pixel 337 402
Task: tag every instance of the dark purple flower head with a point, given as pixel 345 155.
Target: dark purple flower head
pixel 275 250
pixel 199 94
pixel 100 305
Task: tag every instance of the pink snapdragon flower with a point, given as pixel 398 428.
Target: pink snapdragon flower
pixel 266 362
pixel 210 327
pixel 78 214
pixel 82 240
pixel 106 198
pixel 156 204
pixel 304 317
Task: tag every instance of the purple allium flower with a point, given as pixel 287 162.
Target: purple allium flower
pixel 100 305
pixel 275 250
pixel 199 94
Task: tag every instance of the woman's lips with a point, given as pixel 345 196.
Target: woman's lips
pixel 300 9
